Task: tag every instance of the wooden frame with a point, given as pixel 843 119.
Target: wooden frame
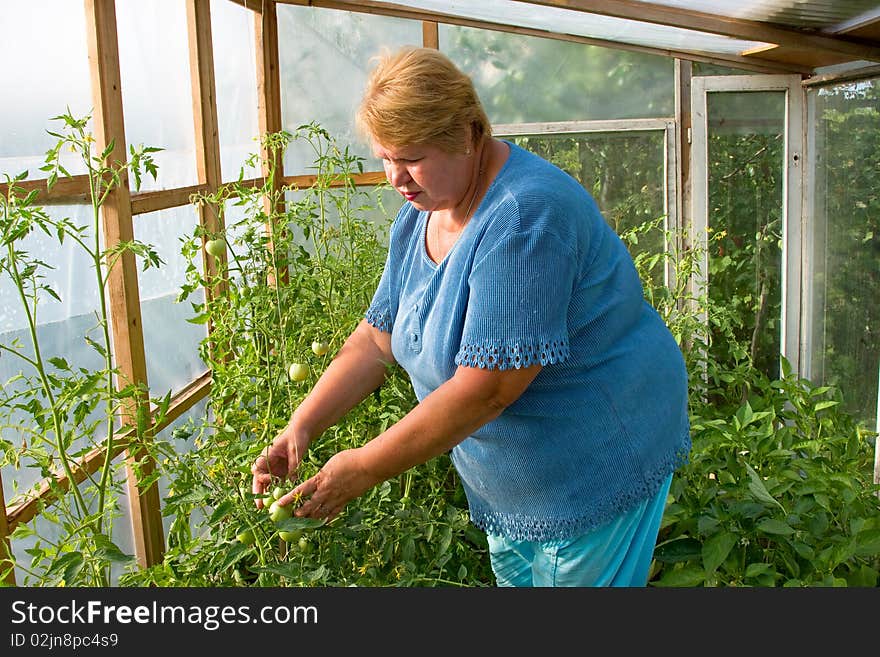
pixel 125 307
pixel 122 207
pixel 792 199
pixel 786 50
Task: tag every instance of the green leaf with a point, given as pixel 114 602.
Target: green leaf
pixel 756 569
pixel 825 404
pixel 289 570
pixel 318 574
pixel 867 543
pixel 445 540
pixel 744 414
pixel 233 553
pixel 774 526
pixel 294 523
pixel 757 488
pixel 221 511
pixel 22 531
pixel 682 577
pixel 106 152
pixel 60 363
pixel 68 564
pixel 716 549
pixel 107 549
pixel 72 564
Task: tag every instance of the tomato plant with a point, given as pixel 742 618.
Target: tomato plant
pixel 293 289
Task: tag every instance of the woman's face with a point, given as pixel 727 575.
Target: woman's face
pixel 426 176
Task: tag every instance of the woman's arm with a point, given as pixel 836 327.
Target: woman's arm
pixel 356 370
pixel 467 401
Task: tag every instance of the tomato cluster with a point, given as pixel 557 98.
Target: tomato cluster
pixel 289 532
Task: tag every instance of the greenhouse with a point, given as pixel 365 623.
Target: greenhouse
pixel 193 225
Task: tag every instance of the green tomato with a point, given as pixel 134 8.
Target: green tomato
pixel 290 537
pixel 278 492
pixel 216 247
pixel 245 537
pixel 298 372
pixel 278 513
pixel 320 348
pixel 304 546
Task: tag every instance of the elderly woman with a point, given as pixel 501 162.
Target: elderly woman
pixel 520 319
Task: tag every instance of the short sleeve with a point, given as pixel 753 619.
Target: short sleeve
pixel 518 300
pixel 379 311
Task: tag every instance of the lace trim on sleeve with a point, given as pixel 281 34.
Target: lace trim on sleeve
pixel 507 356
pixel 381 320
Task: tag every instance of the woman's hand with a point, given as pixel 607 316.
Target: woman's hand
pixel 280 459
pixel 342 479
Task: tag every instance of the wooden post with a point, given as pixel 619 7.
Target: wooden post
pixel 269 106
pixel 204 101
pixel 683 74
pixel 122 286
pixel 430 35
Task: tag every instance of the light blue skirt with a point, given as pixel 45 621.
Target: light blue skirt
pixel 618 553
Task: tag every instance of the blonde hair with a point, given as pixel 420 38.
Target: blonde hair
pixel 418 96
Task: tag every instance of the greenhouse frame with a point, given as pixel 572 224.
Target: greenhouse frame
pixel 799 79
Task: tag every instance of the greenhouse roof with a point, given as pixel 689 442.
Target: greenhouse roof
pixel 804 36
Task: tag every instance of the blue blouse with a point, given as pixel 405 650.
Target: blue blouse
pixel 538 276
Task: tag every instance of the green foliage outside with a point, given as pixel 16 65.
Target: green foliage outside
pixel 778 491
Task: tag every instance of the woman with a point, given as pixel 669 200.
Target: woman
pixel 520 319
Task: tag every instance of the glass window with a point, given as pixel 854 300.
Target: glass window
pixel 746 167
pixel 43 43
pixel 170 341
pixel 156 87
pixel 325 60
pixel 525 79
pixel 235 81
pixel 845 336
pixel 67 269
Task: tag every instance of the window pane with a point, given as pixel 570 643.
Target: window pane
pixel 325 60
pixel 524 79
pixel 44 45
pixel 235 73
pixel 170 341
pixel 156 87
pixel 746 166
pixel 846 256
